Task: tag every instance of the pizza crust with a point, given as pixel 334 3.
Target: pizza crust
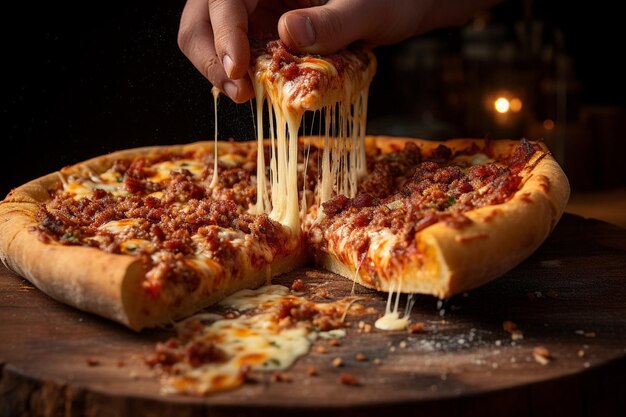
pixel 86 278
pixel 450 260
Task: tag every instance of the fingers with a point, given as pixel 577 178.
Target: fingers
pixel 230 29
pixel 196 40
pixel 328 28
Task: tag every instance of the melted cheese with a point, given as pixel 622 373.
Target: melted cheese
pixel 85 188
pixel 214 180
pixel 343 158
pixel 111 177
pixel 247 244
pixel 119 226
pixel 231 160
pixel 320 65
pixel 258 339
pixel 164 169
pixel 112 181
pixel 284 159
pixel 78 190
pixel 250 299
pixel 393 319
pixel 156 194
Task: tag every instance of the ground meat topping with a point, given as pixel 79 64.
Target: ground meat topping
pixel 308 74
pixel 192 352
pixel 406 191
pixel 167 219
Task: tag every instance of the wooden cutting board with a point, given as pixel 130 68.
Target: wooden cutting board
pixel 569 297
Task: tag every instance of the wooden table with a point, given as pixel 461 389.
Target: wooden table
pixel 569 297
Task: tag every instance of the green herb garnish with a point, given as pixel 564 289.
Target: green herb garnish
pixel 68 237
pixel 271 361
pixel 451 201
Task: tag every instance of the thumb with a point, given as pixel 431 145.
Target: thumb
pixel 335 25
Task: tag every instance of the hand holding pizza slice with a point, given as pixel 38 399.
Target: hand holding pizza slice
pixel 214 34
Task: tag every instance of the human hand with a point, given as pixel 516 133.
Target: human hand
pixel 213 34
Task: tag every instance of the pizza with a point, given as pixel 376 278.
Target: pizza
pixel 151 235
pixel 139 237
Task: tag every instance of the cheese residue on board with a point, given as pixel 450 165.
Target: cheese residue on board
pixel 392 319
pixel 266 329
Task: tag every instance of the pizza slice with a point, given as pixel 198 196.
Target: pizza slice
pixel 336 86
pixel 141 236
pixel 440 218
pixel 300 82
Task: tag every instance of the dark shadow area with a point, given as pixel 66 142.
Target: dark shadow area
pixel 81 81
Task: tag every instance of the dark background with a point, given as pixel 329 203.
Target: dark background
pixel 82 79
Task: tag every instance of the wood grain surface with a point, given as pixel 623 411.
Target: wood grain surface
pixel 569 297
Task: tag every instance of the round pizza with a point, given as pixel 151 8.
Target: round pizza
pixel 144 237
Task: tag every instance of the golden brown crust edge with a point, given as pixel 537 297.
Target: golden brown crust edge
pixel 106 284
pixel 499 237
pixel 66 273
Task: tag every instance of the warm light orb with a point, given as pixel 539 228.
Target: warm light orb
pixel 548 124
pixel 515 105
pixel 501 105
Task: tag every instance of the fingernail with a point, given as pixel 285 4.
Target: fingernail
pixel 300 29
pixel 230 89
pixel 228 65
